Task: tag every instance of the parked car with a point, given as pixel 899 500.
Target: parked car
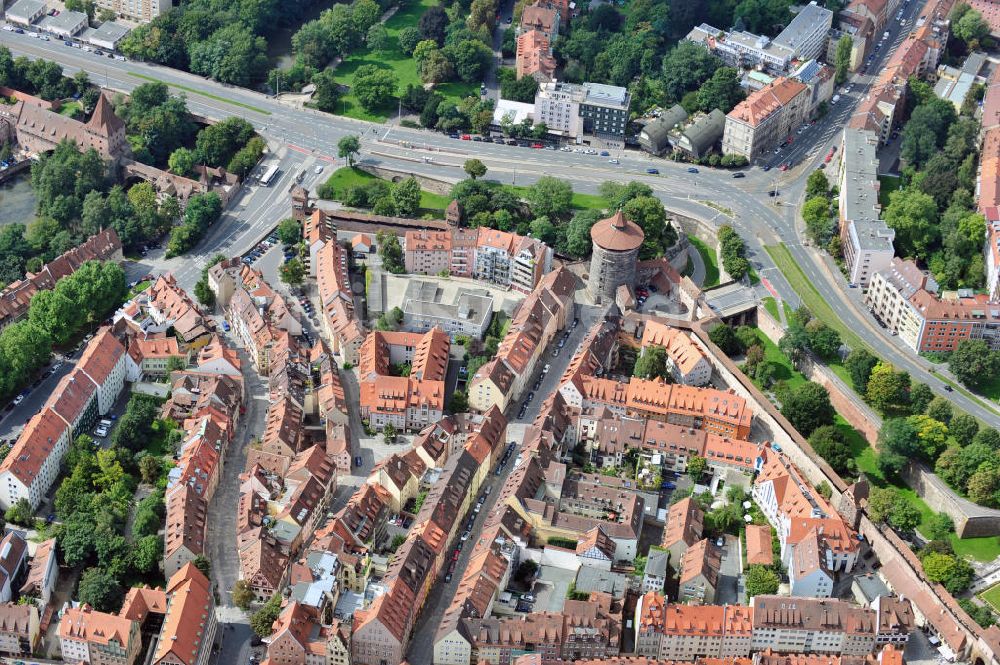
pixel 739 174
pixel 653 171
pixel 692 170
pixel 18 399
pixel 358 461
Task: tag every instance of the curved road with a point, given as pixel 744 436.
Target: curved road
pixel 761 220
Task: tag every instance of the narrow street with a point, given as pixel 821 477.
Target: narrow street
pixel 234 631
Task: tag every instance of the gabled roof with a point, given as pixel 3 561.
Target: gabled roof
pixel 190 607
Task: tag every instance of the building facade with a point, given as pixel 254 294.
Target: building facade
pixel 765 118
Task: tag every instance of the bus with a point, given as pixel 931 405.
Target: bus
pixel 269 175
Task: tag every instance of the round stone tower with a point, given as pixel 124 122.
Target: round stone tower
pixel 616 250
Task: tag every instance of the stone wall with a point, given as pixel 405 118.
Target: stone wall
pixel 971 520
pixel 899 565
pixel 393 175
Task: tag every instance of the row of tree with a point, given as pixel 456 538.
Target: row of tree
pixel 78 301
pixel 202 211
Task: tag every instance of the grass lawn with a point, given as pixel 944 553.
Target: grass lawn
pixel 810 296
pixel 579 201
pixel 393 58
pixel 992 597
pixel 138 288
pixel 710 260
pixel 203 94
pixel 345 177
pixel 887 185
pixel 771 305
pixel 70 109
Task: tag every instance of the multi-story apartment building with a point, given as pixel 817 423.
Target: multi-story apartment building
pixel 739 48
pixel 19 629
pixel 795 510
pixel 864 238
pixel 469 314
pixel 578 109
pixel 687 362
pixel 32 465
pixel 405 402
pixel 674 632
pixel 889 294
pixel 810 625
pixel 807 33
pixel 906 300
pixel 765 118
pixel 803 39
pixel 142 11
pixel 98 638
pixel 498 257
pixel 189 624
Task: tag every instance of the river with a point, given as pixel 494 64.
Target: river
pixel 17 200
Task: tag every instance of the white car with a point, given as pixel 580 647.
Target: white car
pixel 318 169
pixel 18 399
pixel 613 161
pixel 9 28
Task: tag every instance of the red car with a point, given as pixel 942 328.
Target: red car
pixel 454 557
pixel 537 146
pixel 466 137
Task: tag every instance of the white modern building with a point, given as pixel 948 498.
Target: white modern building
pixel 468 314
pixel 866 241
pixel 806 35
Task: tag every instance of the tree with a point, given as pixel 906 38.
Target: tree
pixel 648 212
pixel 652 363
pixel 939 408
pixel 881 502
pixel 920 397
pixel 289 231
pixel 146 553
pixel 842 58
pixel 724 337
pixel 390 251
pixel 263 619
pixel 722 91
pixel 550 197
pixel 970 28
pixel 20 513
pixel 373 86
pixel 471 58
pixel 578 242
pixel 474 168
pixel 202 563
pixel 984 486
pixel 459 402
pixel 182 161
pixel 696 467
pixel 819 223
pixel 406 197
pixel 149 469
pixel 817 185
pixel 243 595
pixel 887 389
pixel 617 194
pixel 808 407
pixel 389 433
pixel 348 148
pixel 203 292
pixel 761 581
pixel 830 444
pixel 685 68
pixel 954 573
pixel 327 93
pixel 963 428
pixel 973 362
pixel 433 24
pixel 981 614
pixel 293 272
pixel 233 54
pixel 939 526
pixel 408 39
pixel 823 340
pixel 913 215
pixel 100 590
pixel 897 443
pixel 987 436
pixel 377 38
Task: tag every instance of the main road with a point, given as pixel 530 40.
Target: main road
pixel 300 136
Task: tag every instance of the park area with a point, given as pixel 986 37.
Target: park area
pixel 393 58
pixel 981 549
